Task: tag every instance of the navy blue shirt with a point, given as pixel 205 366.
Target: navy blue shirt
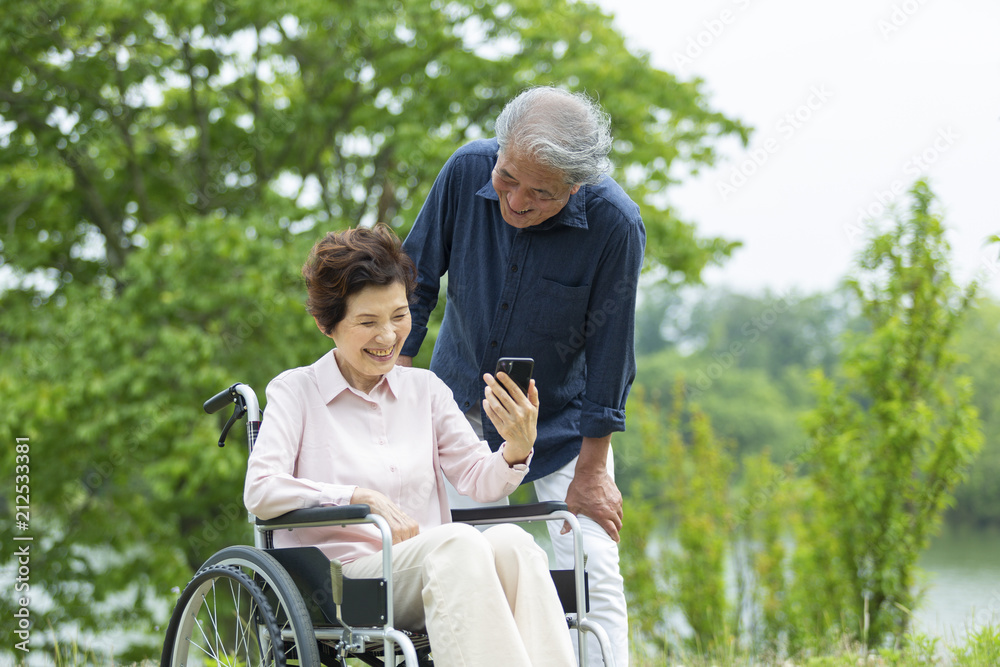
pixel 562 292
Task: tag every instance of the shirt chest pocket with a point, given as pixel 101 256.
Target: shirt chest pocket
pixel 553 310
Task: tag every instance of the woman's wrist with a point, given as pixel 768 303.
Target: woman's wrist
pixel 512 454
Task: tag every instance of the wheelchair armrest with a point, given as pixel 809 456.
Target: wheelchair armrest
pixel 317 516
pixel 531 511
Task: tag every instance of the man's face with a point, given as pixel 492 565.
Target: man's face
pixel 529 193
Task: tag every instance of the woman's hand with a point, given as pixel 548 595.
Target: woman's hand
pixel 403 527
pixel 514 415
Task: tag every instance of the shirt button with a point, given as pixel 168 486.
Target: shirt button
pixel 504 306
pixel 493 343
pixel 513 268
pixel 374 406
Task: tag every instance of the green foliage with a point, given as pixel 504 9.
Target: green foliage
pixel 124 113
pixel 759 396
pixel 129 491
pixel 824 537
pixel 165 168
pixel 696 491
pixel 978 498
pixel 982 647
pixel 684 492
pixel 641 531
pixel 893 437
pixel 771 331
pixel 760 528
pixel 745 360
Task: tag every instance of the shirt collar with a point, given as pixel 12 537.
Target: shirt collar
pixel 573 214
pixel 331 382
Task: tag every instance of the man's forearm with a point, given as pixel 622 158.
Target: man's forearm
pixel 593 492
pixel 594 455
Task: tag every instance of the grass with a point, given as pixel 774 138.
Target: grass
pixel 980 649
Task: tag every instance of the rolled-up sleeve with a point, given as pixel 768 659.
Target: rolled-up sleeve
pixel 610 346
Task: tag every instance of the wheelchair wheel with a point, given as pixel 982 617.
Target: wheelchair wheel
pixel 290 612
pixel 222 618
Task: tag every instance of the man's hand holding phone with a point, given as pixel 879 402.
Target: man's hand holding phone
pixel 511 403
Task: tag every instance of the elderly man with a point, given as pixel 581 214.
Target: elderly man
pixel 543 252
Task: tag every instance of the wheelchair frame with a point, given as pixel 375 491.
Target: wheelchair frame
pixel 278 594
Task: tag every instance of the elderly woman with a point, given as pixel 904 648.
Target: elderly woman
pixel 356 428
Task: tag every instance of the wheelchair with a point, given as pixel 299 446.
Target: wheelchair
pixel 292 606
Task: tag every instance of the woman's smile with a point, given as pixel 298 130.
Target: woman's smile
pixel 371 334
pixel 382 354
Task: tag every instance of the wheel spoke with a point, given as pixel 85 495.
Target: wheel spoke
pixel 201 628
pixel 245 624
pixel 210 617
pixel 220 649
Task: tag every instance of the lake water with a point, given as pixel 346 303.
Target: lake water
pixel 962 580
pixel 960 576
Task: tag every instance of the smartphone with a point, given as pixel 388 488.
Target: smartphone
pixel 519 369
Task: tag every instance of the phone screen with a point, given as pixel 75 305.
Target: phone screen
pixel 519 369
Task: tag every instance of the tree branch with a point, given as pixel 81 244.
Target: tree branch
pixel 124 123
pixel 204 149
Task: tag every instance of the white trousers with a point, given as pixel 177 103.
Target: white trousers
pixel 607 587
pixel 482 596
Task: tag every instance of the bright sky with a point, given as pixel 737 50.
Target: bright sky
pixel 851 102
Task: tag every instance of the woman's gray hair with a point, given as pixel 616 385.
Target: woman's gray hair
pixel 561 130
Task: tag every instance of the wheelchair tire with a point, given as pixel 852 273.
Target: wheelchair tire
pixel 284 598
pixel 222 618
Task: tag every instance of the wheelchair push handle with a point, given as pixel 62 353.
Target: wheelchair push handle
pixel 221 400
pixel 244 400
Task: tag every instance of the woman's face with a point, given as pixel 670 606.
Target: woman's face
pixel 371 334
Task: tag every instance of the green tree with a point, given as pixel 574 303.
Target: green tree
pixel 117 114
pixel 165 168
pixel 697 492
pixel 643 522
pixel 764 513
pixel 680 512
pixel 892 437
pixel 978 498
pixel 655 317
pixel 771 332
pixel 745 359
